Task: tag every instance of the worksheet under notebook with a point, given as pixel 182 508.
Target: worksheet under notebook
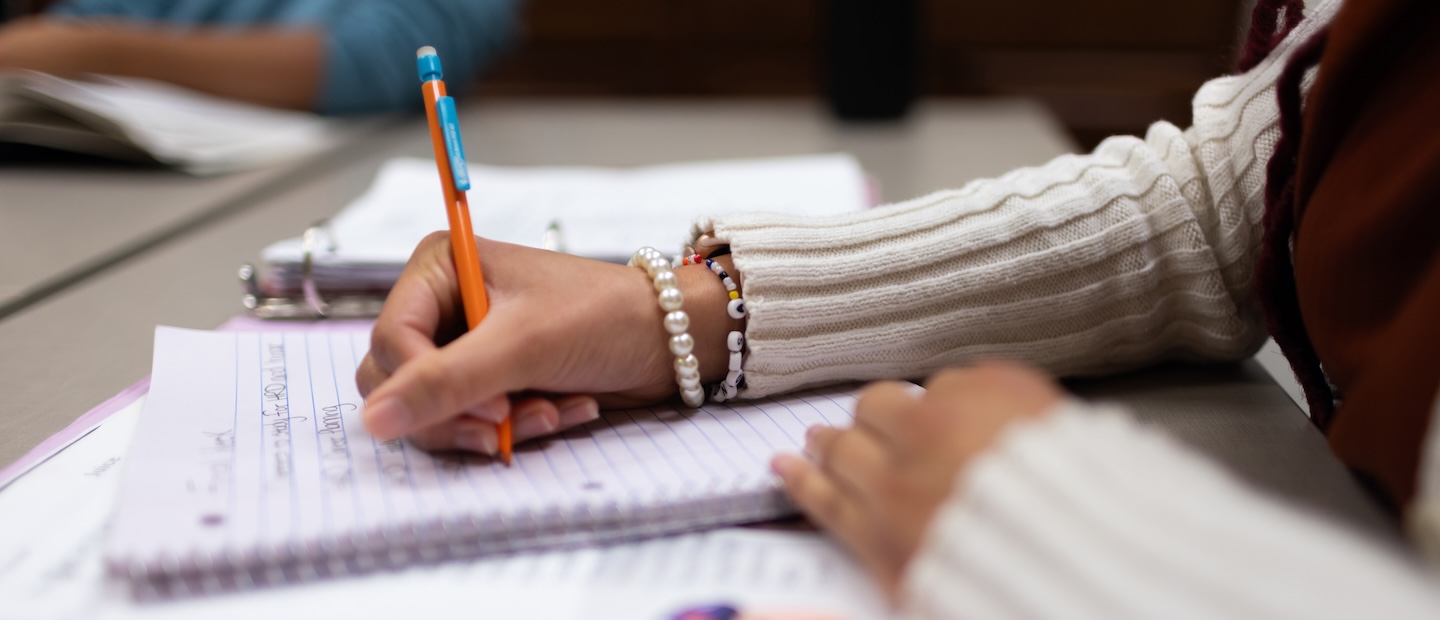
pixel 251 453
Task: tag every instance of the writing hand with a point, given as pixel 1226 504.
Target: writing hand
pixel 876 485
pixel 588 331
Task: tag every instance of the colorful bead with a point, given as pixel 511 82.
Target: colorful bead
pixel 734 295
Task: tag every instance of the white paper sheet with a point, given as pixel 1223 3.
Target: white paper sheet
pixel 252 442
pixel 603 213
pixel 56 516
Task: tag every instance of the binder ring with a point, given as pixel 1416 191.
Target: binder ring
pixel 307 267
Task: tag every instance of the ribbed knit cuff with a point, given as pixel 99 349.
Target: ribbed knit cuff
pixel 1085 514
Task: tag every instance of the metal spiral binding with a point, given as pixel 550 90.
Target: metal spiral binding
pixel 464 536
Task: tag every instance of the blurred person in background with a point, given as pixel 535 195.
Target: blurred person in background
pixel 330 56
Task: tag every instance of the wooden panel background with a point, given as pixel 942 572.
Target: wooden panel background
pixel 1104 66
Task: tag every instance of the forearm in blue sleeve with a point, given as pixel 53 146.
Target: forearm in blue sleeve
pixel 370 49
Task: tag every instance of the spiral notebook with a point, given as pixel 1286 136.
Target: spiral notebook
pixel 250 467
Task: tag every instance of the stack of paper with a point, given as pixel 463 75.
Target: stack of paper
pixel 143 120
pixel 602 213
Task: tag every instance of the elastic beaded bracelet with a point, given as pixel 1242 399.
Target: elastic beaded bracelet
pixel 676 322
pixel 735 342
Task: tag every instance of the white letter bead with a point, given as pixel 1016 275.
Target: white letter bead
pixel 729 390
pixel 735 342
pixel 734 377
pixel 717 393
pixel 677 322
pixel 666 279
pixel 687 362
pixel 682 344
pixel 671 299
pixel 736 307
pixel 734 360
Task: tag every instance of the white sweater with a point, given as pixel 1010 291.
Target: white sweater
pixel 1139 252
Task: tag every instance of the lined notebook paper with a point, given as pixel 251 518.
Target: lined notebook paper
pixel 250 466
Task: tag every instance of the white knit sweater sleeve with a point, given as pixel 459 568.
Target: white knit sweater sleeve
pixel 1138 252
pixel 1088 515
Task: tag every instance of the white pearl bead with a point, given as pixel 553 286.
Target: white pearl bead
pixel 734 360
pixel 687 362
pixel 693 398
pixel 657 265
pixel 736 308
pixel 666 279
pixel 671 299
pixel 688 372
pixel 687 383
pixel 735 342
pixel 677 322
pixel 682 345
pixel 640 257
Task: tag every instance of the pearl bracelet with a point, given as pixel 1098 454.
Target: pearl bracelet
pixel 735 342
pixel 677 323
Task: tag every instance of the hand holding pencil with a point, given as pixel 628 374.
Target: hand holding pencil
pixel 559 332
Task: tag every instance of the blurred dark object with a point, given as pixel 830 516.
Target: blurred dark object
pixel 871 52
pixel 14 9
pixel 1104 66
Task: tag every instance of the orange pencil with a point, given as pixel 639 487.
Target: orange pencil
pixel 454 180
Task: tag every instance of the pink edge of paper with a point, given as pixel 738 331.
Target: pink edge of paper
pixel 92 418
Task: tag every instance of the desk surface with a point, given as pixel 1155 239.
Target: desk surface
pixel 61 223
pixel 74 349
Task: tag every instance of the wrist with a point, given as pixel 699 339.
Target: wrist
pixel 710 323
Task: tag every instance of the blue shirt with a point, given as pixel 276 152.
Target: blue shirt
pixel 370 44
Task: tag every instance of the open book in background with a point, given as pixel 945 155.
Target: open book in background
pixel 251 466
pixel 603 213
pixel 140 120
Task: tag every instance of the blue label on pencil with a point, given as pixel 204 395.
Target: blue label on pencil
pixel 454 149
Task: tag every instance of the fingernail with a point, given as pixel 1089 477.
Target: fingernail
pixel 477 439
pixel 531 423
pixel 782 464
pixel 578 413
pixel 490 411
pixel 388 418
pixel 811 432
pixel 917 391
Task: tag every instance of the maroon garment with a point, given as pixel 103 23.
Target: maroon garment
pixel 1366 243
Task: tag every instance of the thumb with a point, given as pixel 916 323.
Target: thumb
pixel 440 384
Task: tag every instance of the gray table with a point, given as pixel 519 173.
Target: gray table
pixel 83 344
pixel 60 224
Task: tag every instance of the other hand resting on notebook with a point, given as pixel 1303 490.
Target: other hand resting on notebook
pixel 564 336
pixel 877 485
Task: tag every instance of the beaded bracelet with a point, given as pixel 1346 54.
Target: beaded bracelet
pixel 735 342
pixel 677 323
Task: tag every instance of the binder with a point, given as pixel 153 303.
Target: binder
pixel 343 267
